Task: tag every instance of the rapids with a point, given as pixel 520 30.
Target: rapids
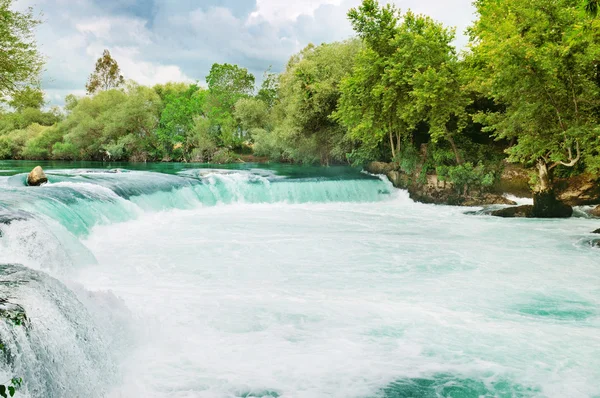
pixel 180 281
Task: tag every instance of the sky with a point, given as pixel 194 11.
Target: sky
pixel 156 41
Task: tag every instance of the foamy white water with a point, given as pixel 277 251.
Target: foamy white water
pixel 352 300
pixel 248 284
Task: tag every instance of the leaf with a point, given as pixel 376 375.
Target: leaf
pixel 3 391
pixel 11 391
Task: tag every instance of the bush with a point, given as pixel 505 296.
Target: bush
pixel 223 156
pixel 467 178
pixel 64 151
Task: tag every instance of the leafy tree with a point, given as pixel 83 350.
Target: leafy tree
pixel 106 76
pixel 28 97
pixel 268 88
pixel 251 113
pixel 20 61
pixel 226 85
pixel 309 92
pixel 539 61
pixel 182 104
pixel 407 74
pixel 370 100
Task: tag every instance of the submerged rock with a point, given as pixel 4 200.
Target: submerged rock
pixel 13 313
pixel 525 211
pixel 37 177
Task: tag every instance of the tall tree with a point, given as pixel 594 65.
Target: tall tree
pixel 268 88
pixel 540 61
pixel 407 74
pixel 106 76
pixel 308 97
pixel 226 85
pixel 20 61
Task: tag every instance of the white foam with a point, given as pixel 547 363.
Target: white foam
pixel 340 299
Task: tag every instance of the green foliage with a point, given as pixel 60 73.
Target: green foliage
pixel 202 144
pixel 27 97
pixel 180 106
pixel 251 113
pixel 467 178
pixel 407 74
pixel 308 96
pixel 539 60
pixel 20 61
pixel 269 88
pixel 106 75
pixel 408 159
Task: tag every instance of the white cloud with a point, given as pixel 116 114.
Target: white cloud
pixel 277 11
pixel 155 41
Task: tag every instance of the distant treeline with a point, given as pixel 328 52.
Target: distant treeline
pixel 527 89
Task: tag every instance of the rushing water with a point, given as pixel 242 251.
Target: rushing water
pixel 287 282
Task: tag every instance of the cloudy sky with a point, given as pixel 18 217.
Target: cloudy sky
pixel 155 41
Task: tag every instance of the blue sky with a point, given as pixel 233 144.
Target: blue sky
pixel 156 41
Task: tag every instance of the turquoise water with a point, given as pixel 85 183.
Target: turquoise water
pixel 291 282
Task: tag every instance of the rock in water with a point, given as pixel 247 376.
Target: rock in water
pixel 36 177
pixel 515 212
pixel 380 167
pixel 596 231
pixel 595 211
pixel 546 205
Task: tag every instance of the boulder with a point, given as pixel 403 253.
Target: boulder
pixel 398 179
pixel 380 167
pixel 515 212
pixel 36 177
pixel 580 190
pixel 486 200
pixel 546 205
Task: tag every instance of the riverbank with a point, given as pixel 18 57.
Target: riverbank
pixel 581 190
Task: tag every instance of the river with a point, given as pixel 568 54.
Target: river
pixel 283 281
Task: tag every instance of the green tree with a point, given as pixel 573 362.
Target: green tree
pixel 106 75
pixel 226 85
pixel 182 105
pixel 20 61
pixel 251 113
pixel 370 102
pixel 28 97
pixel 539 61
pixel 268 88
pixel 407 74
pixel 309 91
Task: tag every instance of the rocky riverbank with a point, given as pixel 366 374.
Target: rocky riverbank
pixel 582 190
pixel 433 190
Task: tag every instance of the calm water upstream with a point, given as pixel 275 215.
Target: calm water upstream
pixel 280 281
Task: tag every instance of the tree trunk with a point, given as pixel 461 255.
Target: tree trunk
pixel 545 203
pixel 392 145
pixel 544 184
pixel 459 159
